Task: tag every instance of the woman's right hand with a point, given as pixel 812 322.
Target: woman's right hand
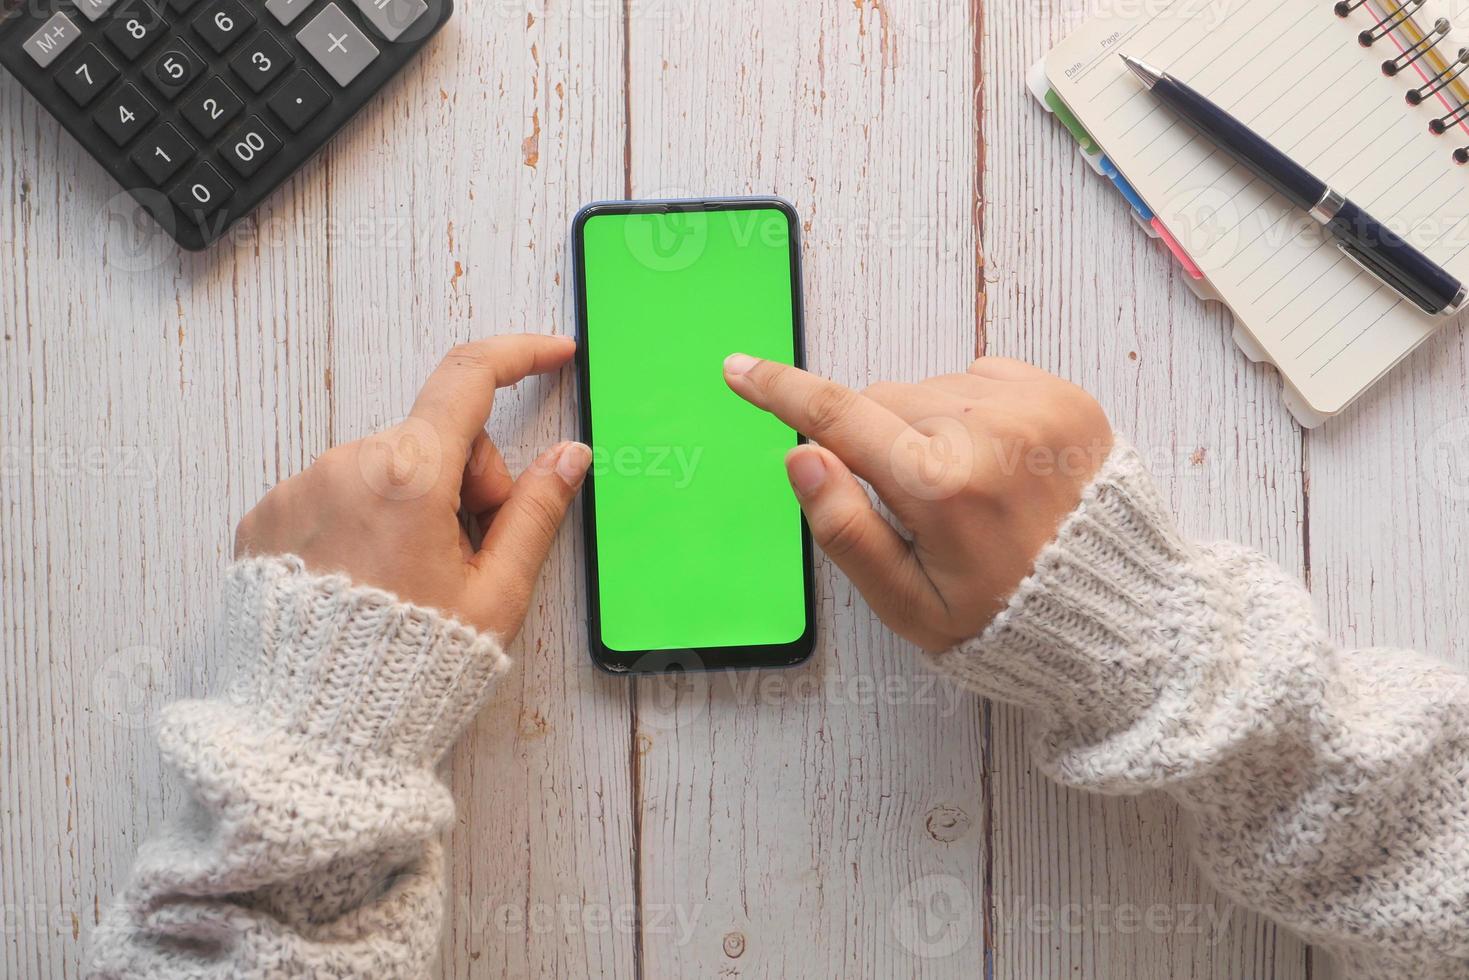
pixel 981 468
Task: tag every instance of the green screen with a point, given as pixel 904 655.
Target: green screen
pixel 698 535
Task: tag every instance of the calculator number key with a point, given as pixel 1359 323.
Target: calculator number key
pixel 134 30
pixel 211 108
pixel 54 37
pixel 87 75
pixel 250 148
pixel 299 100
pixel 202 192
pixel 124 115
pixel 223 24
pixel 261 62
pixel 162 154
pixel 175 69
pixel 338 45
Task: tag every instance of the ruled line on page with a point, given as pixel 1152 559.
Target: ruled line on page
pixel 1183 22
pixel 1272 254
pixel 1324 364
pixel 1376 290
pixel 1193 68
pixel 1233 105
pixel 1285 215
pixel 1338 260
pixel 1399 300
pixel 1177 59
pixel 1252 178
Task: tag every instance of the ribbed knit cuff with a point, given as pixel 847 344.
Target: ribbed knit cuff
pixel 350 667
pixel 1089 635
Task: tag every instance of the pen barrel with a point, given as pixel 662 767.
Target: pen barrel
pixel 1391 258
pixel 1293 181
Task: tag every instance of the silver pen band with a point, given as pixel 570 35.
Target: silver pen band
pixel 1326 209
pixel 1457 303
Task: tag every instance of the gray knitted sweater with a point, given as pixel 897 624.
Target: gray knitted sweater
pixel 1328 788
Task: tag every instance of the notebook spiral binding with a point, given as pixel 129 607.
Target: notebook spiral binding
pixel 1442 74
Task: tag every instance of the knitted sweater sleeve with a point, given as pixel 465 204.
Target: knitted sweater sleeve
pixel 1328 788
pixel 309 842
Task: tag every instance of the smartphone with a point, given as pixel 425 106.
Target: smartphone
pixel 697 555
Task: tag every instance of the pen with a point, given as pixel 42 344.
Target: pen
pixel 1359 236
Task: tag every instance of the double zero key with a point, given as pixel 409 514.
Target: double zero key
pixel 250 147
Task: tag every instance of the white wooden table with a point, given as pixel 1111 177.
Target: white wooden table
pixel 856 819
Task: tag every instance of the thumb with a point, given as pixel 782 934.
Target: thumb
pixel 521 535
pixel 864 545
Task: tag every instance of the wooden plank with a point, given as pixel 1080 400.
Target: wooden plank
pixel 1389 510
pixel 462 244
pixel 148 395
pixel 233 370
pixel 1075 288
pixel 814 823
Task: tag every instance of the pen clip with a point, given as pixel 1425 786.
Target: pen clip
pixel 1364 261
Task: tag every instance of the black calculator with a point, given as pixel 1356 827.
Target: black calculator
pixel 201 108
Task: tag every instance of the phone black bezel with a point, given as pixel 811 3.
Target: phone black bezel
pixel 693 659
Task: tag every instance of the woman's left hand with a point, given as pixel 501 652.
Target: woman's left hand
pixel 384 511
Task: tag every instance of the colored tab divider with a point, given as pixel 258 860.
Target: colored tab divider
pixel 1091 149
pixel 1109 170
pixel 1125 189
pixel 1189 266
pixel 1078 131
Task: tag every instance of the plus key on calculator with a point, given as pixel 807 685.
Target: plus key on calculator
pixel 201 108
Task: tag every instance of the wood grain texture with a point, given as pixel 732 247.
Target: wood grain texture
pixel 810 822
pixel 465 244
pixel 1389 506
pixel 314 324
pixel 1075 287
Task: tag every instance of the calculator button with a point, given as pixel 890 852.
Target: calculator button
pixel 285 11
pixel 162 154
pixel 337 44
pixel 93 9
pixel 124 115
pixel 250 147
pixel 298 101
pixel 87 75
pixel 223 24
pixel 134 30
pixel 182 6
pixel 261 61
pixel 211 107
pixel 54 37
pixel 175 69
pixel 201 192
pixel 391 17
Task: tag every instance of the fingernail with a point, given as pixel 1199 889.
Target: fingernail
pixel 738 364
pixel 807 470
pixel 546 461
pixel 572 466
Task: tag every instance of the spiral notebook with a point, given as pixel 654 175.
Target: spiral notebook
pixel 1366 93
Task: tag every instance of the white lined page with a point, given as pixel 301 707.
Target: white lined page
pixel 1294 72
